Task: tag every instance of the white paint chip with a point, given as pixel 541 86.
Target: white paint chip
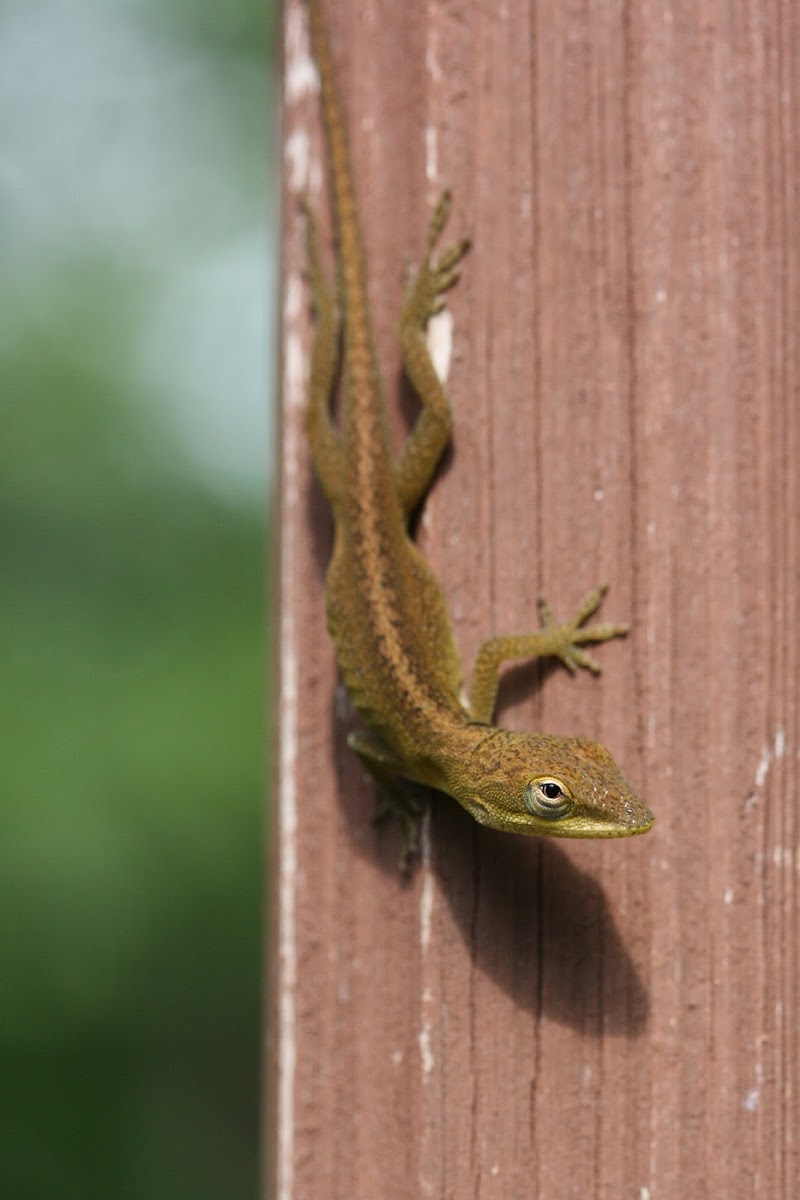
pixel 440 342
pixel 431 154
pixel 762 770
pixel 769 754
pixel 296 154
pixel 301 75
pixel 425 1048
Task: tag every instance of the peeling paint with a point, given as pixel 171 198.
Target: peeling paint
pixel 293 393
pixel 425 1048
pixel 440 342
pixel 753 1096
pixel 296 156
pixel 431 154
pixel 769 754
pixel 762 770
pixel 300 76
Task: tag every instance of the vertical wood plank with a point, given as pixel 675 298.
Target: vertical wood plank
pixel 523 1017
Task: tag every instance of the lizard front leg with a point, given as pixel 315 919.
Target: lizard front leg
pixel 552 640
pixel 424 298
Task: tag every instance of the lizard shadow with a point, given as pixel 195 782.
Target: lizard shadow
pixel 532 920
pixel 538 925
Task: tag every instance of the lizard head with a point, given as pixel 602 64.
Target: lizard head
pixel 549 786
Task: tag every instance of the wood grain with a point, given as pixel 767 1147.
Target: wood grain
pixel 525 1018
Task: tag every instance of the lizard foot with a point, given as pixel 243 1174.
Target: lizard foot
pixel 399 799
pixel 567 639
pixel 426 287
pixel 405 806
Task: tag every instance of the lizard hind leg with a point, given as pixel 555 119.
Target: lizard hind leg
pixel 323 437
pixel 399 799
pixel 425 297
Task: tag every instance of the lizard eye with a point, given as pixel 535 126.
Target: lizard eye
pixel 547 797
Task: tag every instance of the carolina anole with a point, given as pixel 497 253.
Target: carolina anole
pixel 386 610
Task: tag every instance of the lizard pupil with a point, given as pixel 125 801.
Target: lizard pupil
pixel 551 790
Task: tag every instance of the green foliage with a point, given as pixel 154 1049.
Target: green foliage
pixel 130 633
pixel 132 707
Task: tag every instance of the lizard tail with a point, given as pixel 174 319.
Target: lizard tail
pixel 351 252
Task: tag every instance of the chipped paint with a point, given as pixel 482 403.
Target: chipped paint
pixel 431 154
pixel 753 1095
pixel 301 77
pixel 296 156
pixel 440 342
pixel 769 754
pixel 424 1038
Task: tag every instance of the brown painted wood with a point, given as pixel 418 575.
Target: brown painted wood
pixel 526 1018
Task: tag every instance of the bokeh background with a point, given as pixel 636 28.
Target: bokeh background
pixel 136 366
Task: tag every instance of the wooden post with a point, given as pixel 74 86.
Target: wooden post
pixel 524 1018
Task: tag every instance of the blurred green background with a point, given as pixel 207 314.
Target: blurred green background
pixel 135 303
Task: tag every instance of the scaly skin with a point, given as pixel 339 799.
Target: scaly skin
pixel 386 611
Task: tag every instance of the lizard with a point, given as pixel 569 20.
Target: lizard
pixel 386 610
